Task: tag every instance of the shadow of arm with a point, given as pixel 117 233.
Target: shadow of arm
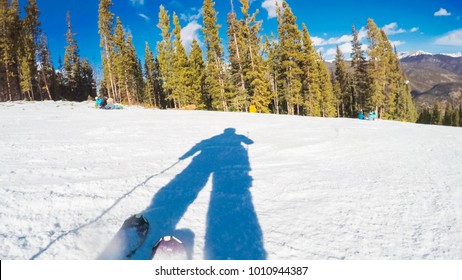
pixel 192 151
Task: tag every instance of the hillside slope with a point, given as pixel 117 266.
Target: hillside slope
pixel 247 185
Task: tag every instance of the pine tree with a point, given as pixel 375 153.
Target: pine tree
pixel 343 86
pixel 196 76
pixel 399 102
pixel 181 92
pixel 106 30
pixel 235 48
pixel 72 63
pixel 46 69
pixel 161 95
pixel 254 67
pixel 215 76
pixel 273 67
pixel 376 67
pixel 150 78
pixel 311 88
pixel 59 87
pixel 10 40
pixel 165 54
pixel 425 116
pixel 87 85
pixel 460 114
pixel 455 117
pixel 124 65
pixel 135 72
pixel 447 117
pixel 360 82
pixel 436 114
pixel 5 92
pixel 4 88
pixel 30 44
pixel 290 44
pixel 327 96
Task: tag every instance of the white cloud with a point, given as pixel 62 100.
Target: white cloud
pixel 144 16
pixel 452 38
pixel 137 2
pixel 331 41
pixel 344 48
pixel 362 33
pixel 414 29
pixel 441 13
pixel 270 7
pixel 189 33
pixel 392 28
pixel 188 17
pixel 318 41
pixel 397 43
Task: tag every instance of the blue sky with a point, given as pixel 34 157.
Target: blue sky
pixel 432 26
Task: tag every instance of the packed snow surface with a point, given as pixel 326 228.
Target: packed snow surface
pixel 230 185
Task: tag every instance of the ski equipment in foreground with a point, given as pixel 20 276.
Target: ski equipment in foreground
pixel 169 248
pixel 128 239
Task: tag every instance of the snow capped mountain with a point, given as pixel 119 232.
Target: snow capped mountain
pixel 402 55
pixel 459 54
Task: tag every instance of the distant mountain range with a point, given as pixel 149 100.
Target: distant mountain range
pixel 402 55
pixel 434 77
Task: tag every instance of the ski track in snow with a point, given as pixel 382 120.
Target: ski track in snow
pixel 319 188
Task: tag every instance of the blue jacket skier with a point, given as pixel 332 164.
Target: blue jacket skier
pixel 372 115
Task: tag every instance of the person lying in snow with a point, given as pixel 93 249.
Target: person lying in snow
pixel 100 102
pixel 372 116
pixel 111 105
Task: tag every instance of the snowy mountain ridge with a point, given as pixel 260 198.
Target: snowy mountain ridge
pixel 402 55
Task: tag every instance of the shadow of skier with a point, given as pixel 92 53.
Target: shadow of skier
pixel 233 231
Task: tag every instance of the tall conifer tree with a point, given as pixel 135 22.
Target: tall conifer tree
pixel 196 76
pixel 106 30
pixel 181 92
pixel 29 49
pixel 327 96
pixel 290 44
pixel 311 88
pixel 273 66
pixel 46 69
pixel 215 76
pixel 343 91
pixel 72 62
pixel 235 48
pixel 376 67
pixel 360 83
pixel 10 43
pixel 165 54
pixel 124 64
pixel 150 78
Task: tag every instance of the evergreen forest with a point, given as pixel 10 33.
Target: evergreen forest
pixel 280 73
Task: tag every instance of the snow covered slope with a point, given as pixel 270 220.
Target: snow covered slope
pixel 247 185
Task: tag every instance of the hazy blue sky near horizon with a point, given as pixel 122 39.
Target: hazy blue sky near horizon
pixel 432 26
